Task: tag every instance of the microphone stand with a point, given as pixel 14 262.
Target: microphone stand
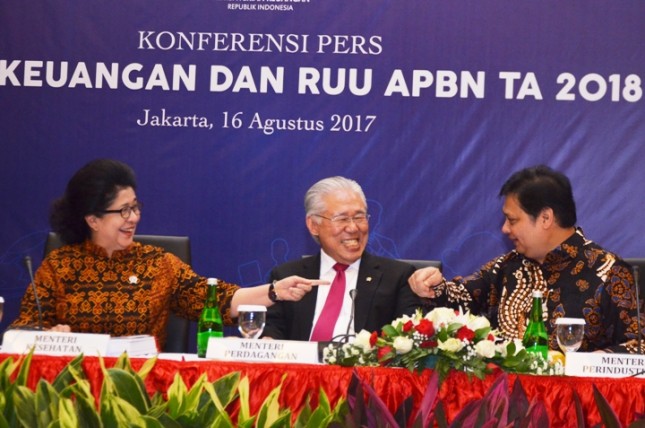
pixel 340 339
pixel 35 291
pixel 638 309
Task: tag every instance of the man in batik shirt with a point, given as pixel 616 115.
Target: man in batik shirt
pixel 578 278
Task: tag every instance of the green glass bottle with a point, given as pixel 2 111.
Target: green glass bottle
pixel 536 339
pixel 210 321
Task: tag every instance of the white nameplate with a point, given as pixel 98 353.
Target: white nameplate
pixel 54 343
pixel 260 350
pixel 599 364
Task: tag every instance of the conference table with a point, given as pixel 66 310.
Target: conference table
pixel 393 385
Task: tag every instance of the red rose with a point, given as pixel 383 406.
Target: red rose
pixel 373 338
pixel 491 337
pixel 465 333
pixel 428 344
pixel 407 326
pixel 382 352
pixel 425 327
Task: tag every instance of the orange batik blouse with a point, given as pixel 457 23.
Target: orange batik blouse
pixel 130 293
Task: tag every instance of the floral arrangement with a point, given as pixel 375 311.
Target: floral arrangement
pixel 443 339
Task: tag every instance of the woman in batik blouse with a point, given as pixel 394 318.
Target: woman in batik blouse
pixel 102 281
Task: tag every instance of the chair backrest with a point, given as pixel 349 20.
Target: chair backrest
pixel 418 264
pixel 640 262
pixel 178 329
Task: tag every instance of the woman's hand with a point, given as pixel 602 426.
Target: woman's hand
pixel 293 288
pixel 63 328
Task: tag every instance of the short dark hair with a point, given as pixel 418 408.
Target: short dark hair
pixel 90 191
pixel 541 187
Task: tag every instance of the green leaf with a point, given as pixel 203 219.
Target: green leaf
pixel 67 416
pixel 46 403
pixel 226 387
pixel 191 401
pixel 66 375
pixel 128 387
pixel 270 414
pixel 220 411
pixel 3 421
pixel 88 415
pixel 23 373
pixel 176 395
pixel 123 362
pixel 80 387
pixel 270 410
pixel 243 388
pixel 168 422
pixel 390 331
pixel 147 367
pixel 7 367
pixel 25 402
pixel 305 414
pixel 116 412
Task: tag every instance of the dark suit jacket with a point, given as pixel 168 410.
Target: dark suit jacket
pixel 379 300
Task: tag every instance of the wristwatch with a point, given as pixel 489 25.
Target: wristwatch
pixel 273 296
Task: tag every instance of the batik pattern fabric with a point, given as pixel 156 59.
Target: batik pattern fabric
pixel 578 279
pixel 133 292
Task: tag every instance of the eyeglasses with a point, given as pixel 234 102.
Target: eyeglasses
pixel 345 220
pixel 126 211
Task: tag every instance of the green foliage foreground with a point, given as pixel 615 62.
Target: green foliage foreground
pixel 124 402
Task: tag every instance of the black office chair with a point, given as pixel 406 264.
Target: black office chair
pixel 418 264
pixel 178 329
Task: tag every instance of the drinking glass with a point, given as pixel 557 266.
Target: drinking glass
pixel 1 307
pixel 251 320
pixel 569 332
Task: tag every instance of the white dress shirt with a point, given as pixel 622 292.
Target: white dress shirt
pixel 328 273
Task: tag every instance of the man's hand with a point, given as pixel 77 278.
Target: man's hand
pixel 423 281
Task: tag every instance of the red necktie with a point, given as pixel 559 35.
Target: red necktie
pixel 327 320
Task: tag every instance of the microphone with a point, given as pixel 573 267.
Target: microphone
pixel 344 338
pixel 352 295
pixel 338 340
pixel 638 309
pixel 33 286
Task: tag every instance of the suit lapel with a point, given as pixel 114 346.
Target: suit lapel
pixel 369 279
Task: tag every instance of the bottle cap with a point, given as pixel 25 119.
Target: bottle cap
pixel 251 308
pixel 211 281
pixel 537 293
pixel 570 321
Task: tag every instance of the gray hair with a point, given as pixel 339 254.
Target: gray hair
pixel 314 197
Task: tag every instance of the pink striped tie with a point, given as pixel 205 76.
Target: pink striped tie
pixel 327 320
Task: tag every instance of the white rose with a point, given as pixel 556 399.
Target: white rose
pixel 327 352
pixel 402 345
pixel 441 316
pixel 402 320
pixel 363 340
pixel 485 348
pixel 477 323
pixel 451 345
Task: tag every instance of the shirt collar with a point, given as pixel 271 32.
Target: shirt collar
pixel 327 263
pixel 568 250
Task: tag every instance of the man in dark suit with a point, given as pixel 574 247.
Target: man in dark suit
pixel 337 218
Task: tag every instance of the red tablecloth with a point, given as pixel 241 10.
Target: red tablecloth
pixel 626 396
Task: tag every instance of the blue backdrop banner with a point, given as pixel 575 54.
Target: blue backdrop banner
pixel 228 110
